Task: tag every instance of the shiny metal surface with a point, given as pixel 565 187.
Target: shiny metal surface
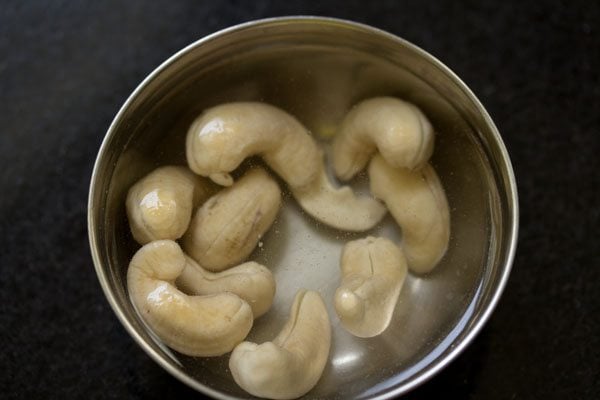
pixel 316 69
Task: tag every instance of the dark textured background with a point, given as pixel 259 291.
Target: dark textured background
pixel 65 69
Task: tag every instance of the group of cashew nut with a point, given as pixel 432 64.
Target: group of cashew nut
pixel 201 298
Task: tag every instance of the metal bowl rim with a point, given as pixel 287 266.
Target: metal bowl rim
pixel 504 161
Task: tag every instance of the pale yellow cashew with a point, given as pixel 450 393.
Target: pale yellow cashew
pixel 373 272
pixel 338 207
pixel 251 281
pixel 159 206
pixel 203 326
pixel 290 365
pixel 417 201
pixel 227 227
pixel 223 136
pixel 397 129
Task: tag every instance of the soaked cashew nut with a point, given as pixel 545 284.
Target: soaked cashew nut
pixel 223 136
pixel 373 272
pixel 417 201
pixel 293 362
pixel 159 206
pixel 338 207
pixel 204 326
pixel 227 227
pixel 251 281
pixel 399 130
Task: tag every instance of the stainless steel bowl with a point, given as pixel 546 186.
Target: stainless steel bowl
pixel 316 69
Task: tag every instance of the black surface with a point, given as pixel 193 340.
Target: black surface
pixel 65 69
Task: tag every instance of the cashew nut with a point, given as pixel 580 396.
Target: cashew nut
pixel 373 272
pixel 223 136
pixel 399 130
pixel 227 227
pixel 338 207
pixel 251 281
pixel 159 206
pixel 205 326
pixel 417 201
pixel 293 362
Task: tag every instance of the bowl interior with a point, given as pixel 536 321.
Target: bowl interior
pixel 316 70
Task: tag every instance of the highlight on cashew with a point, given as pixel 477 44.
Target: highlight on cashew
pixel 373 272
pixel 204 326
pixel 227 227
pixel 417 201
pixel 291 364
pixel 251 281
pixel 223 136
pixel 397 129
pixel 159 206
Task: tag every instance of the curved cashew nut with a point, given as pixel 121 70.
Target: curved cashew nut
pixel 159 206
pixel 293 362
pixel 399 130
pixel 223 136
pixel 417 201
pixel 250 281
pixel 373 272
pixel 338 207
pixel 205 326
pixel 227 227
